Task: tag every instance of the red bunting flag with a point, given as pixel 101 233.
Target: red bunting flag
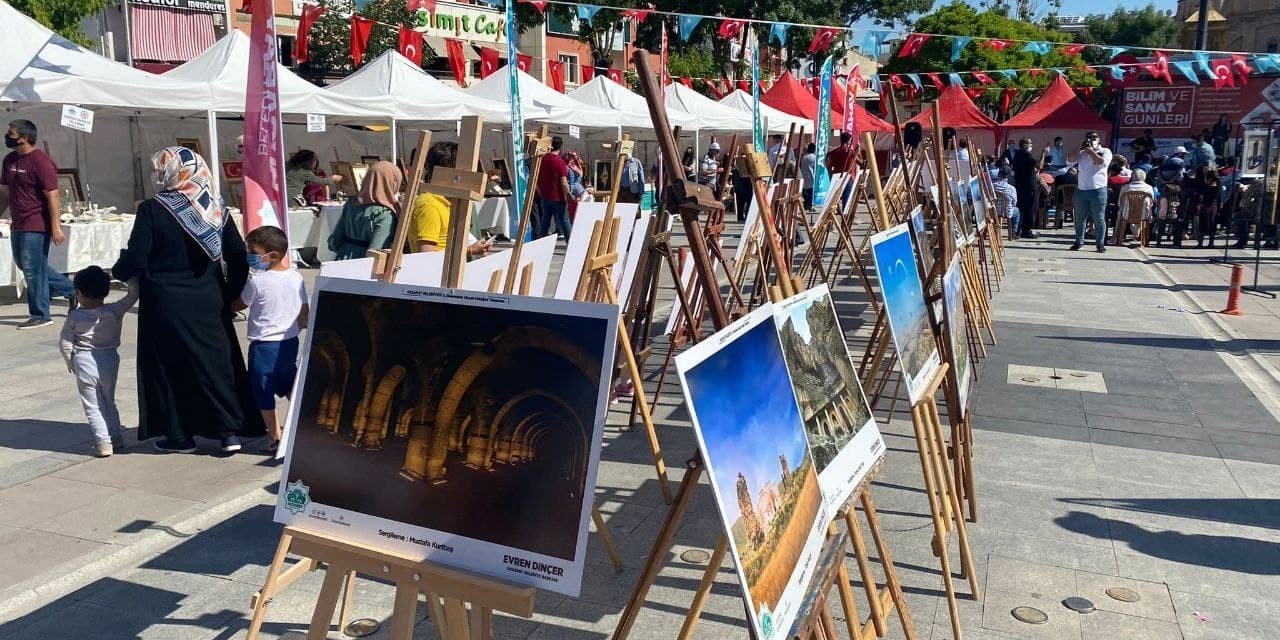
pixel 411 44
pixel 982 77
pixel 936 81
pixel 246 7
pixel 1223 76
pixel 413 5
pixel 639 15
pixel 1242 68
pixel 912 46
pixel 360 29
pixel 823 39
pixel 457 61
pixel 1006 101
pixel 310 13
pixel 489 61
pixel 1073 49
pixel 616 75
pixel 1037 73
pixel 717 90
pixel 588 73
pixel 524 62
pixel 540 5
pixel 744 86
pixel 555 75
pixel 911 92
pixel 997 45
pixel 1162 67
pixel 686 81
pixel 730 28
pixel 1086 93
pixel 896 81
pixel 974 92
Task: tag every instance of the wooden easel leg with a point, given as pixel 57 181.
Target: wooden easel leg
pixel 924 444
pixel 330 590
pixel 481 623
pixel 606 539
pixel 269 586
pixel 851 616
pixel 962 533
pixel 348 595
pixel 404 612
pixel 886 561
pixel 704 589
pixel 642 403
pixel 864 570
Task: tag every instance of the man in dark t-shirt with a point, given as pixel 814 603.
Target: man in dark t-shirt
pixel 553 191
pixel 29 191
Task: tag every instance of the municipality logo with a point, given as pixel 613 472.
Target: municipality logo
pixel 296 497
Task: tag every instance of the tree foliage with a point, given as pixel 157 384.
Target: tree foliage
pixel 1146 27
pixel 62 16
pixel 960 18
pixel 329 47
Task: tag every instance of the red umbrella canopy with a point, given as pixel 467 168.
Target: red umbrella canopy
pixel 1058 108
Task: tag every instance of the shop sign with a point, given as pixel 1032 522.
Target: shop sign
pixel 462 22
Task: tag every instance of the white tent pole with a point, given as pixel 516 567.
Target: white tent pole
pixel 215 167
pixel 395 152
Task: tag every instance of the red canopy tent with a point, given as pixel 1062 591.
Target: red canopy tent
pixel 787 94
pixel 960 113
pixel 1057 112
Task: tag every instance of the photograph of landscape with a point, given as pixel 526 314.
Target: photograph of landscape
pixel 953 293
pixel 979 204
pixel 904 301
pixel 753 443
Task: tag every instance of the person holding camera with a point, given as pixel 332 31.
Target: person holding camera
pixel 1092 160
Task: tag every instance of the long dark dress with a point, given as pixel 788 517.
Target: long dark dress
pixel 191 374
pixel 1024 182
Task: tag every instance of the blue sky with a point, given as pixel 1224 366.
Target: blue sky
pixel 747 413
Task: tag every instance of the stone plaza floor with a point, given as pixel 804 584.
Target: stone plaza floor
pixel 1160 473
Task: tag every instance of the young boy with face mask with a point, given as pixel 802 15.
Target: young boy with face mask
pixel 276 298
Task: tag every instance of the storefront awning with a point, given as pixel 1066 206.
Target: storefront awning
pixel 169 35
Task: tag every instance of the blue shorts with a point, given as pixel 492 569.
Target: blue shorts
pixel 272 367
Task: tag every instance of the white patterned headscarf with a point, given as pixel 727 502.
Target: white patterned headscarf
pixel 188 192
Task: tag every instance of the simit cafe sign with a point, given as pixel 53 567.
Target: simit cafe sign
pixel 463 22
pixel 207 6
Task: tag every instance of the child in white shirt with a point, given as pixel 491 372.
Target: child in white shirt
pixel 276 298
pixel 90 343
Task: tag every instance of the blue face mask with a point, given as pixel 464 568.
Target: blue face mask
pixel 256 263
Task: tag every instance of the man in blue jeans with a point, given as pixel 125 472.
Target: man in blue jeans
pixel 553 192
pixel 1091 195
pixel 29 190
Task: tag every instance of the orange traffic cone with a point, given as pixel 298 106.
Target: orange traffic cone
pixel 1233 296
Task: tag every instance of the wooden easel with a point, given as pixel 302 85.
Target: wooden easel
pixel 537 145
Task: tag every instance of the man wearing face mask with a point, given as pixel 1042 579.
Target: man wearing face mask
pixel 29 190
pixel 1025 178
pixel 1091 195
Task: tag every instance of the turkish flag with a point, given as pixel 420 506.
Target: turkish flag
pixel 555 75
pixel 1073 49
pixel 588 73
pixel 896 81
pixel 1086 93
pixel 982 77
pixel 524 62
pixel 360 28
pixel 616 75
pixel 457 61
pixel 998 45
pixel 639 15
pixel 935 80
pixel 913 45
pixel 310 13
pixel 540 5
pixel 1223 75
pixel 1241 66
pixel 1006 101
pixel 744 85
pixel 730 28
pixel 823 39
pixel 411 45
pixel 686 81
pixel 414 5
pixel 488 61
pixel 975 92
pixel 714 87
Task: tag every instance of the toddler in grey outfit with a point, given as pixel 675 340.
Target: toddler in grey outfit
pixel 90 342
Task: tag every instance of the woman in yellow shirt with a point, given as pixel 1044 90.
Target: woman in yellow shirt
pixel 429 219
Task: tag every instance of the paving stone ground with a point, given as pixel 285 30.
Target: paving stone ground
pixel 1167 484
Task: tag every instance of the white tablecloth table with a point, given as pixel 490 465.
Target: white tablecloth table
pixel 492 215
pixel 9 274
pixel 90 243
pixel 307 229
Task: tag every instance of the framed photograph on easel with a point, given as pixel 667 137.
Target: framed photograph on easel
pixel 69 187
pixel 604 175
pixel 343 168
pixel 193 144
pixel 233 183
pixel 500 165
pixel 370 159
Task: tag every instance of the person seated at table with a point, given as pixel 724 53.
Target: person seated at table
pixel 1137 183
pixel 429 219
pixel 368 220
pixel 301 179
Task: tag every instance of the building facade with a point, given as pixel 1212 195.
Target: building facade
pixel 1234 25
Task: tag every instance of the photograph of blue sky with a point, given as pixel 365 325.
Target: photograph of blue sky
pixel 904 299
pixel 746 412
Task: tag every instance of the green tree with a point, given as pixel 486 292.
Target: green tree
pixel 329 47
pixel 1146 27
pixel 960 18
pixel 62 16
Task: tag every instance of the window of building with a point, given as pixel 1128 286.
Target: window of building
pixel 285 53
pixel 572 72
pixel 562 25
pixel 1273 46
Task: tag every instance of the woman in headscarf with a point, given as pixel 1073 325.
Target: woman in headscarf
pixel 301 177
pixel 576 187
pixel 190 262
pixel 369 219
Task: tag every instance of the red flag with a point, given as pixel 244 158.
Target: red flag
pixel 1006 101
pixel 540 5
pixel 1162 67
pixel 588 72
pixel 982 77
pixel 1037 72
pixel 884 101
pixel 1073 49
pixel 997 45
pixel 1241 66
pixel 851 87
pixel 411 44
pixel 744 85
pixel 686 81
pixel 524 62
pixel 1223 76
pixel 310 13
pixel 911 92
pixel 414 5
pixel 555 75
pixel 1086 93
pixel 639 15
pixel 714 87
pixel 616 75
pixel 823 39
pixel 360 28
pixel 913 45
pixel 457 61
pixel 264 191
pixel 489 61
pixel 936 81
pixel 974 92
pixel 246 7
pixel 896 81
pixel 730 28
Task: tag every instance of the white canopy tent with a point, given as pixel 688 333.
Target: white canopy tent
pixel 632 109
pixel 711 114
pixel 415 94
pixel 776 120
pixel 544 104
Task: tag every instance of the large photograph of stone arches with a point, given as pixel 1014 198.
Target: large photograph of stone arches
pixel 843 437
pixel 757 457
pixel 460 427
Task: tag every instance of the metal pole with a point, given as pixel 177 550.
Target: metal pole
pixel 395 155
pixel 128 33
pixel 1202 26
pixel 215 167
